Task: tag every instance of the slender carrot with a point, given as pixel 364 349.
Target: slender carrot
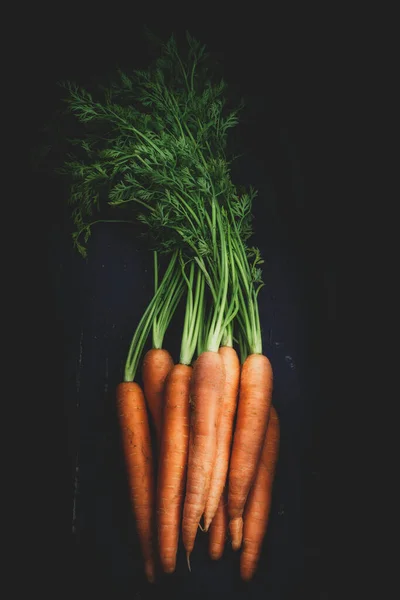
pixel 251 424
pixel 225 431
pixel 157 363
pixel 133 417
pixel 207 385
pixel 175 431
pixel 173 463
pixel 218 529
pixel 258 504
pixel 205 397
pixel 136 442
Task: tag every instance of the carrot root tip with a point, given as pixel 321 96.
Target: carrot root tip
pixel 188 561
pixel 149 570
pixel 236 532
pixel 235 546
pixel 216 556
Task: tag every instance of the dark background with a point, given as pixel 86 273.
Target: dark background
pixel 285 67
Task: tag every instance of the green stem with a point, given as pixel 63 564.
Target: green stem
pixel 197 311
pixel 257 347
pixel 208 279
pixel 233 308
pixel 227 338
pixel 189 302
pixel 190 210
pixel 155 257
pixel 167 309
pixel 139 339
pixel 214 227
pixel 145 324
pixel 243 348
pixel 248 298
pixel 217 328
pixel 193 315
pixel 155 291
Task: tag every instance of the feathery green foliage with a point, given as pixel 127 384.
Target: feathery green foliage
pixel 153 145
pixel 156 140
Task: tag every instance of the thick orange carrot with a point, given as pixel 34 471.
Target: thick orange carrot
pixel 258 504
pixel 132 414
pixel 218 529
pixel 206 390
pixel 252 418
pixel 157 363
pixel 173 463
pixel 224 431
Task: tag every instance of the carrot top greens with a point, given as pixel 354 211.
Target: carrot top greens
pixel 153 147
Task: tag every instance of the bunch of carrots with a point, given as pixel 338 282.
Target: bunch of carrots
pixel 154 148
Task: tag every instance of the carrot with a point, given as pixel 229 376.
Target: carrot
pixel 157 363
pixel 258 504
pixel 225 431
pixel 173 463
pixel 218 529
pixel 132 410
pixel 205 397
pixel 136 442
pixel 173 457
pixel 251 424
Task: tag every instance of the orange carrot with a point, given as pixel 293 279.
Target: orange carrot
pixel 218 529
pixel 205 398
pixel 157 363
pixel 258 504
pixel 251 424
pixel 136 442
pixel 224 432
pixel 173 463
